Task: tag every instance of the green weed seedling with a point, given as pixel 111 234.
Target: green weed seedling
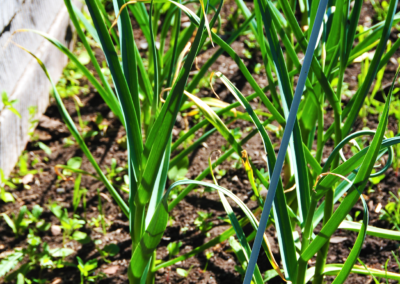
pixel 109 250
pixel 19 223
pixel 9 104
pixel 101 124
pixel 23 170
pixel 31 130
pixel 396 159
pixel 173 248
pixel 220 173
pixel 79 195
pixel 178 171
pixel 70 226
pixel 69 84
pixel 86 268
pixel 391 213
pixel 209 255
pixel 113 171
pixel 101 213
pixel 72 164
pixel 4 195
pixel 202 222
pixel 100 220
pixel 184 273
pixel 32 123
pixel 67 142
pixel 34 215
pixel 381 9
pixel 40 256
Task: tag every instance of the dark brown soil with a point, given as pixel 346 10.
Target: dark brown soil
pixel 46 187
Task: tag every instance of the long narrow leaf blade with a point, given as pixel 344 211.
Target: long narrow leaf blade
pixel 285 140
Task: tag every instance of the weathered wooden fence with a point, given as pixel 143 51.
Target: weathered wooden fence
pixel 20 75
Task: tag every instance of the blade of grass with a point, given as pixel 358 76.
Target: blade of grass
pixel 360 181
pixel 371 230
pixel 206 172
pixel 334 269
pixel 72 10
pixel 296 148
pixel 109 98
pixel 194 19
pixel 285 141
pixel 123 93
pixel 362 92
pixel 355 251
pixel 282 222
pixel 71 127
pixel 128 52
pixel 165 122
pixel 244 245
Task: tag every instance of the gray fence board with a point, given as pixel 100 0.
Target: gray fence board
pixel 20 75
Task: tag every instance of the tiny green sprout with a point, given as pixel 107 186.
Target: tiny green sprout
pixel 74 163
pixel 23 168
pixel 189 140
pixel 101 123
pixel 174 193
pixel 391 213
pixel 184 273
pixel 122 142
pixel 86 268
pixel 4 195
pixel 113 170
pixel 109 250
pixel 209 255
pixel 173 248
pixel 67 142
pixel 9 104
pixel 257 68
pixel 44 147
pixel 18 223
pixel 247 53
pixel 179 171
pixel 41 224
pixel 69 83
pixel 70 226
pixel 201 222
pixel 376 180
pixel 237 133
pixel 32 123
pixel 220 173
pixel 32 239
pixel 184 229
pixel 79 195
pixel 39 256
pixel 35 161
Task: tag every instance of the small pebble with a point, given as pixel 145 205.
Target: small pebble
pixel 60 190
pixel 57 280
pixel 111 269
pixel 55 230
pixel 28 179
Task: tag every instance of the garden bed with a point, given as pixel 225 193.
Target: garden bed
pixel 41 185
